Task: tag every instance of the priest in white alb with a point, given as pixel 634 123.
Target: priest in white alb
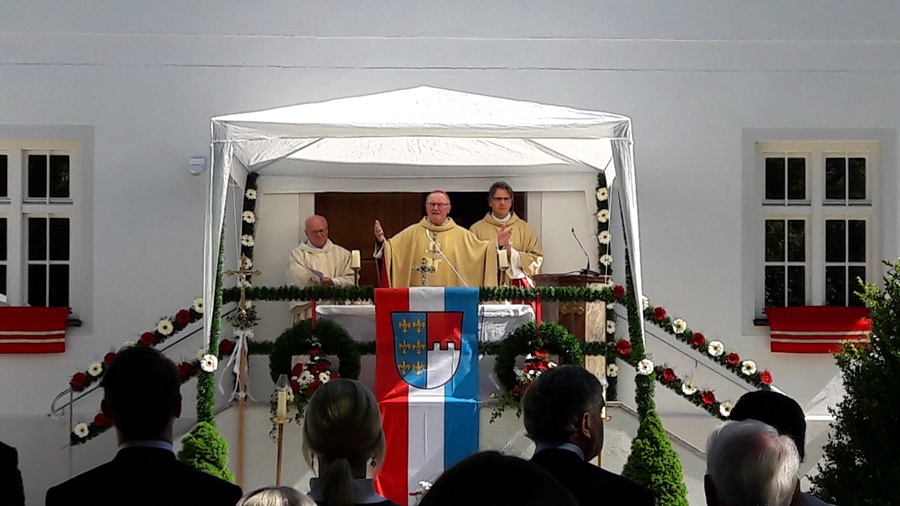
pixel 435 252
pixel 514 237
pixel 318 261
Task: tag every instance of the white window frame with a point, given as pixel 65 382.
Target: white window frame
pixel 879 148
pixel 77 143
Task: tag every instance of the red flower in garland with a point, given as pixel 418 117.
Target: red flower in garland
pixel 322 365
pixel 623 347
pixel 295 386
pixel 147 338
pixel 659 314
pixel 618 291
pixel 314 386
pixel 708 398
pixel 765 378
pixel 226 347
pixel 698 340
pixel 541 353
pixel 79 380
pixel 183 317
pixel 733 359
pixel 668 375
pixel 297 370
pixel 108 359
pixel 185 369
pixel 100 420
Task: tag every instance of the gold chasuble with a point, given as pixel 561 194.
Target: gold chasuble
pixel 426 255
pixel 527 257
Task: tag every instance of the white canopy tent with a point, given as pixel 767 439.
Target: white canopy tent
pixel 416 134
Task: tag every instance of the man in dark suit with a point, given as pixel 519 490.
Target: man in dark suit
pixel 12 493
pixel 142 399
pixel 563 415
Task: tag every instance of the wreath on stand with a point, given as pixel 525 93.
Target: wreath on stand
pixel 324 339
pixel 536 344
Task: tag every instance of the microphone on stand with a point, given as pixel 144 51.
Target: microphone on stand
pixel 586 270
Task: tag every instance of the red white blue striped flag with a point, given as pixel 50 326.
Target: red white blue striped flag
pixel 426 382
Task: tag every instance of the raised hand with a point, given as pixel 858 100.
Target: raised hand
pixel 379 232
pixel 503 236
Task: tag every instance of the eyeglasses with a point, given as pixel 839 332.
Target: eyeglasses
pixel 501 199
pixel 436 204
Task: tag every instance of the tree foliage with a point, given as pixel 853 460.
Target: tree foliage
pixel 204 449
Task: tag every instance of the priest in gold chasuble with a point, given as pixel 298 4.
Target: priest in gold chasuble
pixel 435 252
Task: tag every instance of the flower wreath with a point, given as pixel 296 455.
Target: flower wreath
pixel 531 340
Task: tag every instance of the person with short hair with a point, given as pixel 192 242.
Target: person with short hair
pixel 786 415
pixel 12 492
pixel 511 235
pixel 749 463
pixel 142 399
pixel 275 496
pixel 563 416
pixel 317 261
pixel 489 478
pixel 434 252
pixel 342 432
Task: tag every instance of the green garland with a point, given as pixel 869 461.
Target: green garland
pixel 528 337
pixel 299 339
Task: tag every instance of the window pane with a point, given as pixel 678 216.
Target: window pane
pixel 4 176
pixel 835 241
pixel 835 286
pixel 857 178
pixel 37 176
pixel 774 286
pixel 37 285
pixel 3 240
pixel 37 238
pixel 856 240
pixel 796 286
pixel 774 240
pixel 3 280
pixel 796 179
pixel 835 178
pixel 59 286
pixel 854 274
pixel 59 176
pixel 59 238
pixel 775 178
pixel 796 241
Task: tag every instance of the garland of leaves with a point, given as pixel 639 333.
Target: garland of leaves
pixel 604 239
pixel 299 339
pixel 528 337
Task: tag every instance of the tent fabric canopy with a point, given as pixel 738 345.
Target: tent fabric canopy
pixel 413 133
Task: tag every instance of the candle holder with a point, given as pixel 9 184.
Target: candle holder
pixel 280 418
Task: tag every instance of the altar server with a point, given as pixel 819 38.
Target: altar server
pixel 318 261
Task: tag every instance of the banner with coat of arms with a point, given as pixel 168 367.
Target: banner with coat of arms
pixel 426 382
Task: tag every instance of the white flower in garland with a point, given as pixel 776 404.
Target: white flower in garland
pixel 250 194
pixel 249 217
pixel 725 408
pixel 688 388
pixel 324 377
pixel 645 367
pixel 604 237
pixel 603 215
pixel 610 327
pixel 424 486
pixel 209 363
pixel 602 194
pixel 198 305
pixel 748 367
pixel 645 302
pixel 95 369
pixel 715 348
pixel 606 260
pixel 612 370
pixel 81 430
pixel 247 240
pixel 165 327
pixel 305 378
pixel 610 306
pixel 126 345
pixel 679 326
pixel 246 263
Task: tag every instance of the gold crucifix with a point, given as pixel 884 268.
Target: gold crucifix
pixel 243 272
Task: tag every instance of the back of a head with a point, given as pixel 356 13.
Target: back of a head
pixel 142 388
pixel 275 496
pixel 777 410
pixel 342 428
pixel 750 464
pixel 489 478
pixel 556 399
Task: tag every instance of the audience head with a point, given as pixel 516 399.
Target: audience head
pixel 563 405
pixel 748 463
pixel 316 230
pixel 500 198
pixel 275 496
pixel 490 478
pixel 777 410
pixel 142 395
pixel 437 207
pixel 342 429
